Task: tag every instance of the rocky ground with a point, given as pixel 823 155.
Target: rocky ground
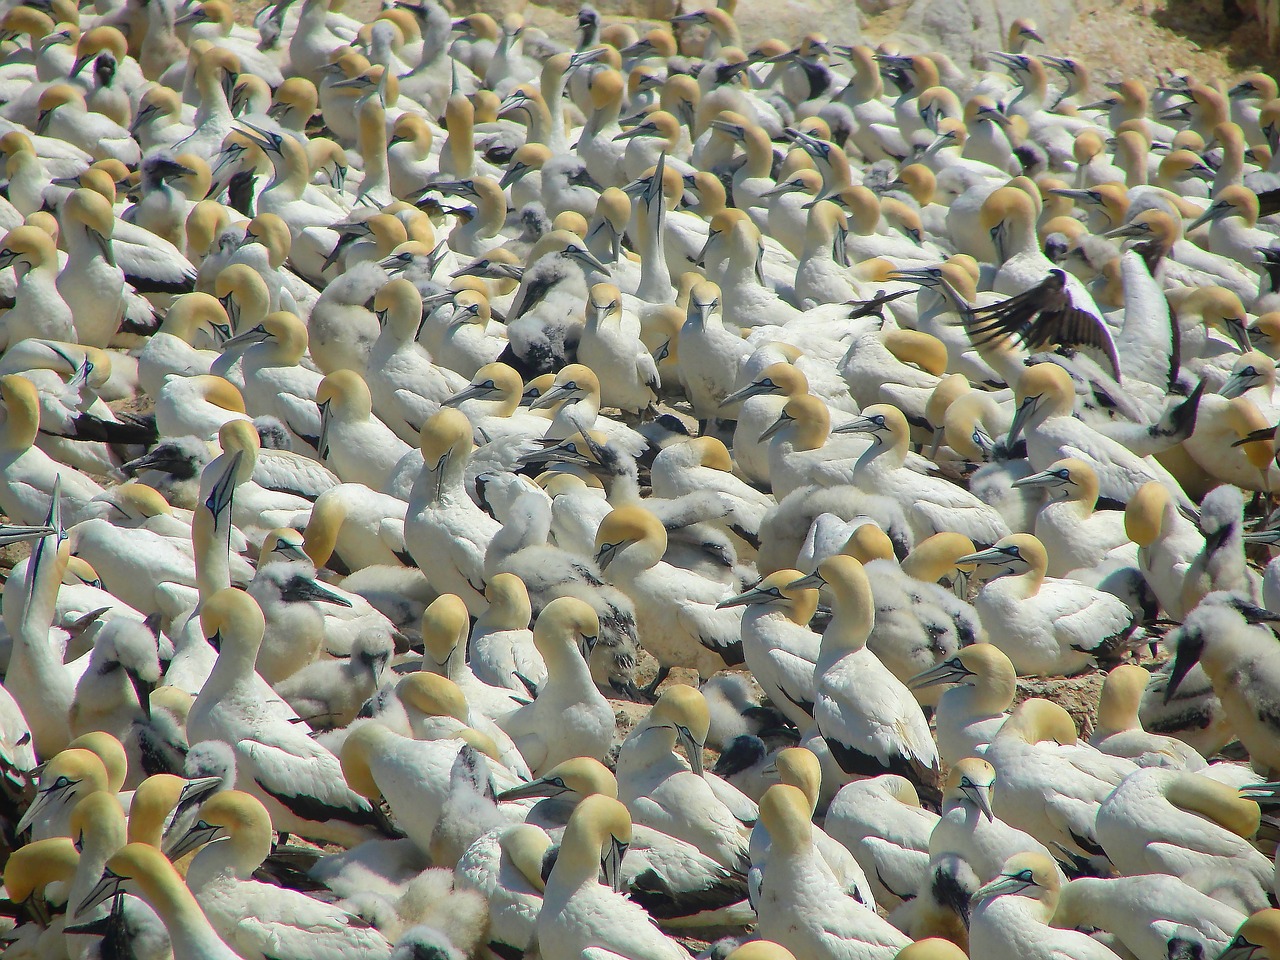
pixel 1116 39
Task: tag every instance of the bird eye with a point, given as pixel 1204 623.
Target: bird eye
pixel 878 420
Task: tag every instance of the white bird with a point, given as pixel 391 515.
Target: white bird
pixel 144 871
pixel 881 821
pixel 800 903
pixel 1050 785
pixel 260 919
pixel 358 446
pixel 1118 731
pixel 444 531
pixel 581 917
pixel 1011 916
pixel 869 719
pixel 1188 826
pixel 569 717
pixel 1045 625
pixel 972 710
pixel 298 780
pixel 501 647
pixel 661 792
pixel 1150 915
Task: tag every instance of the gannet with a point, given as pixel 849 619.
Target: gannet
pixel 918 622
pixel 1045 625
pixel 442 520
pixel 1118 731
pixel 1150 915
pixel 582 917
pixel 932 504
pixel 779 649
pixel 800 767
pixel 676 616
pixel 867 716
pixel 501 647
pixel 569 718
pixel 287 922
pixel 800 903
pixel 444 637
pixel 1050 785
pixel 969 829
pixel 297 779
pixel 1188 826
pixel 1224 636
pixel 1011 915
pixel 662 793
pixel 970 713
pixel 1075 535
pixel 144 871
pixel 881 821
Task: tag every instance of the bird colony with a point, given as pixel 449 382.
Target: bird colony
pixel 468 497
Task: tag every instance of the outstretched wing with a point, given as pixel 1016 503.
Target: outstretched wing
pixel 1041 316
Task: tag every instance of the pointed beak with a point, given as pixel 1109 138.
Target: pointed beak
pixel 1238 332
pixel 251 336
pixel 563 452
pixel 219 499
pixel 692 748
pixel 754 389
pixel 1045 478
pixel 551 397
pixel 44 800
pixel 636 131
pixel 142 689
pixel 472 392
pixel 611 865
pixel 11 533
pixel 990 555
pixel 256 135
pixel 307 590
pixel 1025 409
pixel 997 887
pixel 774 427
pixel 754 595
pixel 813 581
pixel 981 796
pixel 106 888
pixel 858 425
pixel 949 671
pixel 1184 659
pixel 590 259
pixel 1214 212
pixel 542 787
pixel 606 554
pixel 1235 386
pixel 196 837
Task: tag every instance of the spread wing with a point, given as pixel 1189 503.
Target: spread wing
pixel 1041 316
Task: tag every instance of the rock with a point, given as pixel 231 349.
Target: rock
pixel 968 29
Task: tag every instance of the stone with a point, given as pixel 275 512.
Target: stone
pixel 968 29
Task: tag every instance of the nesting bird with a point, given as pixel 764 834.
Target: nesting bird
pixel 384 405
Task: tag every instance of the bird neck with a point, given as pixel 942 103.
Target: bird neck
pixel 655 276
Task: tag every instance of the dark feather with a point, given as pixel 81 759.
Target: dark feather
pixel 1042 316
